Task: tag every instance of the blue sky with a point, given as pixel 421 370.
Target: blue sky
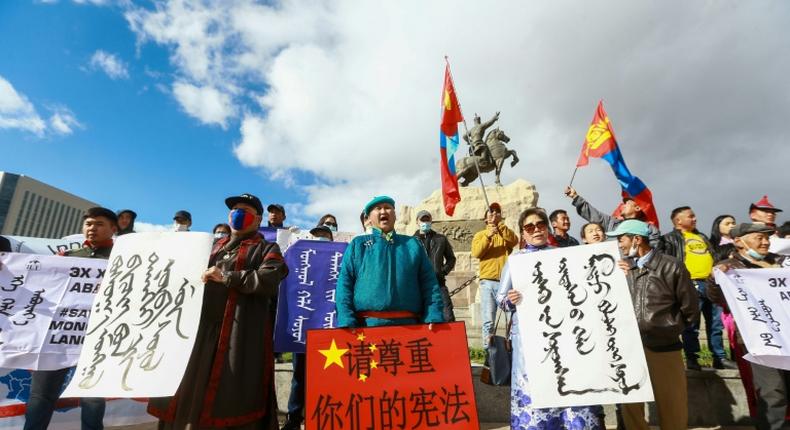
pixel 165 105
pixel 137 148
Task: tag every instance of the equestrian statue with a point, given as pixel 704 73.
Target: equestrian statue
pixel 490 153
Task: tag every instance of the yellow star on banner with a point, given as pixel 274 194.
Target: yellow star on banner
pixel 374 364
pixel 363 377
pixel 372 347
pixel 333 355
pixel 361 337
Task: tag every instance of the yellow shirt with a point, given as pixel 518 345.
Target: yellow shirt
pixel 493 252
pixel 698 258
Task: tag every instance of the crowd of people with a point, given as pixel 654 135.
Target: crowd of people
pixel 387 278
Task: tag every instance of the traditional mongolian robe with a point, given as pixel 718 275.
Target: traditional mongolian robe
pixel 522 415
pixel 229 381
pixel 387 279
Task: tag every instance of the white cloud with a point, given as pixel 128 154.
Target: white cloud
pixel 205 103
pixel 110 64
pixel 16 111
pixel 141 227
pixel 349 91
pixel 63 120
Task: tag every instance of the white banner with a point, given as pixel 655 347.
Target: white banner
pixel 145 318
pixel 780 246
pixel 42 246
pixel 578 320
pixel 760 302
pixel 15 391
pixel 45 304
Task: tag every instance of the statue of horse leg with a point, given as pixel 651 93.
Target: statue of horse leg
pixel 498 170
pixel 515 157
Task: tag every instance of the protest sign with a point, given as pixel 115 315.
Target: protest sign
pixel 307 296
pixel 45 303
pixel 42 246
pixel 782 247
pixel 286 238
pixel 15 391
pixel 759 299
pixel 390 377
pixel 144 319
pixel 578 320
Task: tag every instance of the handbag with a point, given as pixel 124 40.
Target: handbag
pixel 499 357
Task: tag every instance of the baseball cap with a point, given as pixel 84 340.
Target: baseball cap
pixel 183 214
pixel 245 198
pixel 630 226
pixel 745 228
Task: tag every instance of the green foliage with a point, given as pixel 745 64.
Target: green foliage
pixel 477 355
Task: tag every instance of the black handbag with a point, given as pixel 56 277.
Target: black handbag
pixel 499 358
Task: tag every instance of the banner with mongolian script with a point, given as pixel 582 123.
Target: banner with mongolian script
pixel 145 317
pixel 759 299
pixel 404 377
pixel 15 391
pixel 578 318
pixel 45 303
pixel 307 296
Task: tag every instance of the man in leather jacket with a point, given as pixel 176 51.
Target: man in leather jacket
pixel 665 303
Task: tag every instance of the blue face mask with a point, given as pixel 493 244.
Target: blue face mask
pixel 240 219
pixel 332 228
pixel 323 239
pixel 425 227
pixel 754 254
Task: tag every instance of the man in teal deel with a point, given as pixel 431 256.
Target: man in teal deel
pixel 386 278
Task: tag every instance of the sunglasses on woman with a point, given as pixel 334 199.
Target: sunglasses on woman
pixel 530 228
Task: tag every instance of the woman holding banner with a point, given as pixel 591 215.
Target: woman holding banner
pixel 535 237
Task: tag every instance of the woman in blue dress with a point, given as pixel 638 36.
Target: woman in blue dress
pixel 534 237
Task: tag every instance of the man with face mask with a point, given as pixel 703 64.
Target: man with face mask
pixel 182 220
pixel 770 384
pixel 629 210
pixel 229 379
pixel 665 303
pixel 442 257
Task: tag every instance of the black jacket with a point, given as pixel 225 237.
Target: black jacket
pixel 673 244
pixel 665 301
pixel 440 252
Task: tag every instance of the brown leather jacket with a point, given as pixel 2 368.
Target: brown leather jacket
pixel 665 301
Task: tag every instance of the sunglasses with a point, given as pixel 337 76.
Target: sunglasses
pixel 530 228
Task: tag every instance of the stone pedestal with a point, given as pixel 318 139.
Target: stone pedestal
pixel 468 219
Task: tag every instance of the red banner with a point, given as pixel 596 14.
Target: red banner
pixel 386 378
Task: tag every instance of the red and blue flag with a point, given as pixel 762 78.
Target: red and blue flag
pixel 449 142
pixel 600 142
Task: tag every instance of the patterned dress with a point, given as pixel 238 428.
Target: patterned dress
pixel 522 415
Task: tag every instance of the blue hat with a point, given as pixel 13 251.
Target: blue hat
pixel 376 200
pixel 630 226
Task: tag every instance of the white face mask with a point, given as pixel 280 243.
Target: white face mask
pixel 332 228
pixel 220 235
pixel 180 227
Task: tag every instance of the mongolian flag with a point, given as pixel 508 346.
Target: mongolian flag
pixel 448 143
pixel 600 142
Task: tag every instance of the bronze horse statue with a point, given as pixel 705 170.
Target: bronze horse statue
pixel 492 159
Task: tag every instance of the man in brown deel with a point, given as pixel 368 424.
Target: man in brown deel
pixel 229 381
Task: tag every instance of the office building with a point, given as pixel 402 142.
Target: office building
pixel 32 208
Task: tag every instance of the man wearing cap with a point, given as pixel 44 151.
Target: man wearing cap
pixel 491 246
pixel 386 278
pixel 442 257
pixel 98 226
pixel 229 379
pixel 182 220
pixel 276 215
pixel 692 248
pixel 763 211
pixel 752 241
pixel 665 303
pixel 629 210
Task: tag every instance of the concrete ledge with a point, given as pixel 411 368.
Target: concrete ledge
pixel 716 398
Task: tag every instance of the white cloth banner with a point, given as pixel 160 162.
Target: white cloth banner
pixel 45 304
pixel 578 320
pixel 759 299
pixel 780 246
pixel 38 245
pixel 15 391
pixel 145 317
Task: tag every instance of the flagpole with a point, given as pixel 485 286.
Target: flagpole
pixel 574 175
pixel 466 133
